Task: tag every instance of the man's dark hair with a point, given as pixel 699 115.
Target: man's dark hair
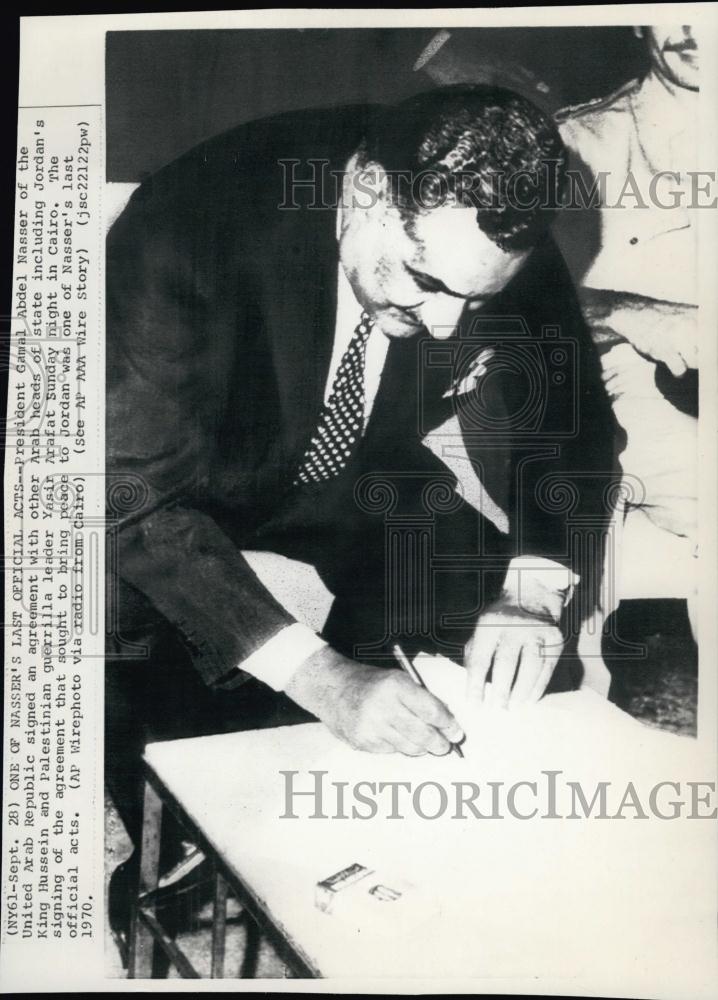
pixel 474 145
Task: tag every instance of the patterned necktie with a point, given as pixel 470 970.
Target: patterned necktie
pixel 341 421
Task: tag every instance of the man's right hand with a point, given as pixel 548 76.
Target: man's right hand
pixel 382 711
pixel 661 331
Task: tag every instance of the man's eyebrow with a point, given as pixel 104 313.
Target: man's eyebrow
pixel 429 279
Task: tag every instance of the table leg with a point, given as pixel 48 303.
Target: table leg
pixel 251 949
pixel 141 939
pixel 219 926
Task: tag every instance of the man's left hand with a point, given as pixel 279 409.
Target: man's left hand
pixel 519 648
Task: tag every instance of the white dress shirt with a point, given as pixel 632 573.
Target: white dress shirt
pixel 536 584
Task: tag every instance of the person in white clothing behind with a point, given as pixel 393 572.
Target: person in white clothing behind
pixel 630 242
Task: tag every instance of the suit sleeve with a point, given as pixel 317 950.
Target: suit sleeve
pixel 173 326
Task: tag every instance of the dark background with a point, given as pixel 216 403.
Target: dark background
pixel 168 90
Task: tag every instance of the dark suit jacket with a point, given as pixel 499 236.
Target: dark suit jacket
pixel 220 321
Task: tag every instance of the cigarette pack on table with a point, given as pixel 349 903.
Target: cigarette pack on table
pixel 359 894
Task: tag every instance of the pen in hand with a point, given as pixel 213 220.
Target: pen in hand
pixel 408 667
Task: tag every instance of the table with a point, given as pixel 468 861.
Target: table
pixel 514 900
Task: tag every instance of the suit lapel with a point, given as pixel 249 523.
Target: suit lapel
pixel 409 401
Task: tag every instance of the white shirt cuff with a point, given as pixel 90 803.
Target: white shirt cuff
pixel 539 586
pixel 279 657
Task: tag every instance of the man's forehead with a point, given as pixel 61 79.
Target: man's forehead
pixel 450 247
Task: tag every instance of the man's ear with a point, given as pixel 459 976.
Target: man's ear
pixel 369 188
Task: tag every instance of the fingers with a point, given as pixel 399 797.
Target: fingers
pixel 675 363
pixel 413 736
pixel 408 718
pixel 595 304
pixel 385 711
pixel 375 745
pixel 432 714
pixel 538 659
pixel 543 678
pixel 520 661
pixel 415 742
pixel 507 658
pixel 530 667
pixel 479 657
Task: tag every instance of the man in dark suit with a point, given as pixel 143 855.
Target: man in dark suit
pixel 272 302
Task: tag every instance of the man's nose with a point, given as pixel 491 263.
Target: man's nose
pixel 441 315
